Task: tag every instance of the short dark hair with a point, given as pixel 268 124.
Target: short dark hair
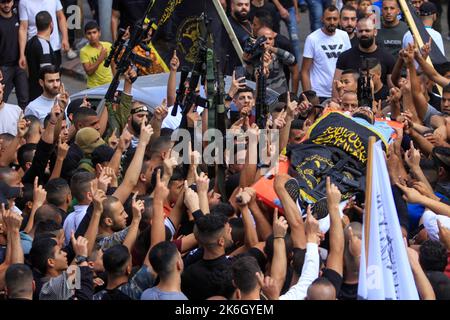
pixel 48 226
pixel 107 207
pixel 446 89
pixel 102 153
pixel 48 69
pixel 158 145
pixel 80 184
pixel 166 132
pixel 433 256
pixel 91 25
pixel 246 89
pixel 264 17
pixel 223 208
pixel 209 227
pixel 18 280
pixel 26 154
pixel 244 273
pixel 40 252
pixel 43 21
pixel 56 191
pixel 162 258
pixel 443 68
pixel 46 212
pixel 348 7
pixel 82 113
pixel 331 8
pixel 115 260
pixel 349 71
pixel 7 137
pixel 309 94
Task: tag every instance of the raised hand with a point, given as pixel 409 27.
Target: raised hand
pixel 174 62
pixel 125 139
pixel 137 208
pixel 202 182
pixel 312 228
pixel 146 132
pixel 333 194
pixel 161 111
pixel 22 126
pixel 63 149
pixel 412 157
pixel 98 197
pixel 161 191
pixel 191 200
pixel 279 226
pixel 79 245
pixel 39 193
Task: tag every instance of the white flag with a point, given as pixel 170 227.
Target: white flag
pixel 388 273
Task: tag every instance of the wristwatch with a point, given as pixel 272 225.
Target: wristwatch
pixel 80 259
pixel 228 98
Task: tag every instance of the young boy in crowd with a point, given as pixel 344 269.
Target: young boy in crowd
pixel 93 56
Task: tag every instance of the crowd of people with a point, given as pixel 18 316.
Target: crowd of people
pixel 101 205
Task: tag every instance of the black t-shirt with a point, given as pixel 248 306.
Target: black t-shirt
pixel 348 292
pixel 9 46
pixel 243 32
pixel 38 53
pixel 352 59
pixel 354 41
pixel 382 94
pixel 131 11
pixel 207 278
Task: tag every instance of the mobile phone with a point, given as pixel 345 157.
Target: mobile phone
pixel 239 72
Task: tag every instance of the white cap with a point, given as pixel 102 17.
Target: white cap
pixel 429 219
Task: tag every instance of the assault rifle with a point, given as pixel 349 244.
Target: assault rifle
pixel 122 51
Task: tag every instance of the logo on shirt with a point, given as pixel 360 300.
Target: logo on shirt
pixel 332 50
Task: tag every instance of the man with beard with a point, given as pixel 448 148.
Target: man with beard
pixel 367 48
pixel 39 52
pixel 391 34
pixel 348 23
pixel 239 20
pixel 139 112
pixel 211 274
pixel 322 49
pixel 50 81
pixel 241 25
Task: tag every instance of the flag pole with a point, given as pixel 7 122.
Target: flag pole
pixel 414 31
pixel 229 29
pixel 368 199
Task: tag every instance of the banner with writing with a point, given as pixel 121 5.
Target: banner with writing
pixel 338 130
pixel 387 275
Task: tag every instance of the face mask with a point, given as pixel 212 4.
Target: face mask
pixel 366 42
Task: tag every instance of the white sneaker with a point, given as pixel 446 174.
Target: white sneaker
pixel 71 54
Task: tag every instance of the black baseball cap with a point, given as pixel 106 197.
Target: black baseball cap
pixel 427 9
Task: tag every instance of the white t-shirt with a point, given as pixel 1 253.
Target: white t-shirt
pixel 28 9
pixel 9 116
pixel 436 36
pixel 324 50
pixel 40 107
